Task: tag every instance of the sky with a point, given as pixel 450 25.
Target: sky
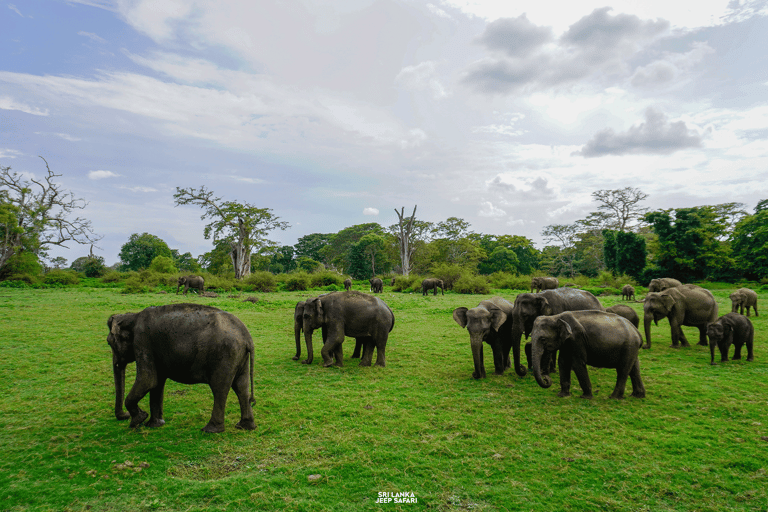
pixel 505 114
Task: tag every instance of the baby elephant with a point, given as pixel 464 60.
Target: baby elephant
pixel 743 298
pixel 628 291
pixel 593 338
pixel 625 311
pixel 732 328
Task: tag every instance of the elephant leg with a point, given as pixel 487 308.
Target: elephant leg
pixel 565 378
pixel 580 369
pixel 338 355
pixel 622 372
pixel 381 346
pixel 638 389
pixel 144 382
pixel 242 388
pixel 755 308
pixel 358 347
pixel 221 382
pixel 156 404
pixel 528 358
pixel 750 354
pixel 703 336
pixel 737 351
pixel 498 358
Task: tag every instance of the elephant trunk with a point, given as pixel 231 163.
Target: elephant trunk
pixel 647 317
pixel 476 343
pixel 520 369
pixel 297 336
pixel 537 354
pixel 119 373
pixel 712 345
pixel 308 339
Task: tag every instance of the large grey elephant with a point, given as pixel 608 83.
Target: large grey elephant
pixel 687 304
pixel 544 283
pixel 298 327
pixel 625 311
pixel 490 322
pixel 594 338
pixel 194 282
pixel 358 315
pixel 187 343
pixel 663 283
pixel 432 283
pixel 377 285
pixel 743 298
pixel 530 306
pixel 732 328
pixel 628 292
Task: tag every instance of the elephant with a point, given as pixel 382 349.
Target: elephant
pixel 347 284
pixel 732 328
pixel 744 298
pixel 687 304
pixel 544 283
pixel 392 283
pixel 490 322
pixel 529 306
pixel 194 282
pixel 594 338
pixel 432 284
pixel 377 285
pixel 358 315
pixel 627 312
pixel 663 283
pixel 628 291
pixel 298 326
pixel 187 343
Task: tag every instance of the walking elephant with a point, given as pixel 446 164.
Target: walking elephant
pixel 490 322
pixel 377 285
pixel 743 298
pixel 732 328
pixel 627 312
pixel 298 327
pixel 356 315
pixel 663 283
pixel 194 282
pixel 187 343
pixel 347 284
pixel 544 283
pixel 594 338
pixel 432 284
pixel 628 292
pixel 687 304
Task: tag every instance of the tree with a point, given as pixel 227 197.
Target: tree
pixel 624 252
pixel 242 226
pixel 750 244
pixel 139 251
pixel 335 253
pixel 363 256
pixel 622 205
pixel 404 239
pixel 453 228
pixel 565 236
pixel 309 246
pixel 217 260
pixel 163 265
pixel 59 262
pixel 37 214
pixel 185 262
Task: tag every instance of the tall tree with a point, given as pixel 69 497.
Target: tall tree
pixel 335 253
pixel 241 225
pixel 140 249
pixel 36 214
pixel 310 245
pixel 750 243
pixel 623 206
pixel 564 235
pixel 407 247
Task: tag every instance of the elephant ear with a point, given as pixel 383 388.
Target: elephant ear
pixel 299 308
pixel 542 305
pixel 668 302
pixel 498 317
pixel 319 309
pixel 564 331
pixel 460 315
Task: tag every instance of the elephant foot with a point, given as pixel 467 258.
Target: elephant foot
pixel 497 372
pixel 638 394
pixel 703 344
pixel 674 346
pixel 328 365
pixel 476 375
pixel 380 365
pixel 246 424
pixel 589 396
pixel 122 415
pixel 212 428
pixel 618 397
pixel 364 363
pixel 647 347
pixel 306 361
pixel 563 394
pixel 138 419
pixel 295 358
pixel 154 423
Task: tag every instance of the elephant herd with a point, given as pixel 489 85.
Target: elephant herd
pixel 193 343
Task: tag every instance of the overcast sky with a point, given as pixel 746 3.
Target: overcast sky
pixel 506 114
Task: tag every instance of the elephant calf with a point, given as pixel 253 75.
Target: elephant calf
pixel 490 322
pixel 732 328
pixel 743 298
pixel 298 327
pixel 194 282
pixel 628 291
pixel 593 338
pixel 544 283
pixel 432 284
pixel 625 311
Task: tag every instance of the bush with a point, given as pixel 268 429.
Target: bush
pixel 163 265
pixel 410 283
pixel 448 273
pixel 134 284
pixel 221 282
pixel 297 282
pixel 112 276
pixel 61 277
pixel 20 281
pixel 22 263
pixel 507 281
pixel 325 279
pixel 260 281
pixel 471 284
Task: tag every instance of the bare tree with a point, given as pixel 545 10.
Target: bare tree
pixel 622 204
pixel 36 214
pixel 404 238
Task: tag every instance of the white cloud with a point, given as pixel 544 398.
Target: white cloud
pixel 92 36
pixel 370 211
pixel 139 189
pixel 421 77
pixel 7 103
pixel 488 210
pixel 15 9
pixel 100 175
pixel 9 153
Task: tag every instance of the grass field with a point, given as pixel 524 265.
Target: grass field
pixel 422 425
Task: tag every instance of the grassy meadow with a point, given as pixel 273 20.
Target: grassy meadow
pixel 422 425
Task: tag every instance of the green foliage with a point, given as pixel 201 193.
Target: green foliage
pixel 219 260
pixel 368 256
pixel 298 281
pixel 20 264
pixel 470 283
pixel 61 277
pixel 134 284
pixel 507 281
pixel 410 283
pixel 308 265
pixel 309 246
pixel 449 273
pixel 113 276
pixel 139 251
pixel 186 262
pixel 321 279
pixel 260 281
pixel 750 243
pixel 94 267
pixel 163 265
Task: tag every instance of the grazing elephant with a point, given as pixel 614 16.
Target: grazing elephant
pixel 628 291
pixel 593 338
pixel 627 312
pixel 490 322
pixel 687 304
pixel 187 343
pixel 432 284
pixel 731 328
pixel 356 315
pixel 194 282
pixel 744 298
pixel 298 327
pixel 377 285
pixel 529 306
pixel 544 283
pixel 347 284
pixel 663 283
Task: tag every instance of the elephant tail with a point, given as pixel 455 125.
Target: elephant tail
pixel 252 399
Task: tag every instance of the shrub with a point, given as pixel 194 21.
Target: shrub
pixel 20 281
pixel 260 281
pixel 449 273
pixel 297 282
pixel 22 263
pixel 134 284
pixel 410 283
pixel 61 277
pixel 321 279
pixel 507 281
pixel 112 276
pixel 221 282
pixel 163 265
pixel 471 284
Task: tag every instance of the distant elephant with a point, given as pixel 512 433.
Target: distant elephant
pixel 744 298
pixel 194 282
pixel 593 338
pixel 432 284
pixel 393 282
pixel 529 306
pixel 347 284
pixel 663 283
pixel 377 285
pixel 731 328
pixel 627 312
pixel 490 322
pixel 628 292
pixel 544 283
pixel 187 343
pixel 687 304
pixel 354 314
pixel 298 326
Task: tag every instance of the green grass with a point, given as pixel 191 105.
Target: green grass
pixel 422 424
